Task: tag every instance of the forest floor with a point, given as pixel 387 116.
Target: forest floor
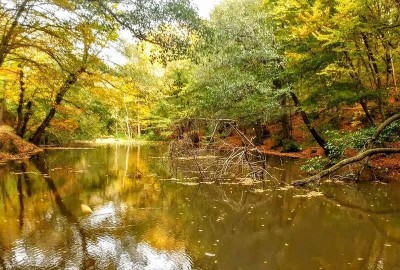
pixel 385 165
pixel 12 147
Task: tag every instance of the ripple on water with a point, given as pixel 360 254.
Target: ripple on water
pixel 25 256
pixel 123 253
pixel 106 215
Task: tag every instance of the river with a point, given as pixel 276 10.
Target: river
pixel 120 207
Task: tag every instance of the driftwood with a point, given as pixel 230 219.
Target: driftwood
pixel 364 154
pixel 341 164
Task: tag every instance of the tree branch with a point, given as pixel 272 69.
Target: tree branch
pixel 347 161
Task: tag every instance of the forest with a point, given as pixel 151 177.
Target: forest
pixel 312 77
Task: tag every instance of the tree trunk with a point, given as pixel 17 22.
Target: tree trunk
pixel 347 161
pixel 7 37
pixel 286 128
pixel 3 103
pixel 27 117
pixel 364 106
pixel 359 157
pixel 356 78
pixel 321 142
pixel 139 128
pixel 127 121
pixel 375 73
pixel 258 130
pixel 21 100
pixel 71 80
pixel 373 62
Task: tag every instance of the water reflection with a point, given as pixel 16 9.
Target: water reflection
pixel 144 219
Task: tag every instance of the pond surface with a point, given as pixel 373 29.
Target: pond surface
pixel 119 207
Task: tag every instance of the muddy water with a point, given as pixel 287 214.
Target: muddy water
pixel 119 207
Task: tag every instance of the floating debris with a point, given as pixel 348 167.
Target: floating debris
pixel 20 173
pixel 197 157
pixel 86 209
pixel 209 254
pixel 188 183
pixel 309 195
pixel 207 183
pixel 258 190
pixel 285 188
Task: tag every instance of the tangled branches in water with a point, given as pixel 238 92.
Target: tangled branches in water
pixel 216 160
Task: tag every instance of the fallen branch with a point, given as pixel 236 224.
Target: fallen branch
pixel 382 127
pixel 341 164
pixel 374 138
pixel 365 154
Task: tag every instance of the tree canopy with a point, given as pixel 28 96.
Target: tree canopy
pixel 299 71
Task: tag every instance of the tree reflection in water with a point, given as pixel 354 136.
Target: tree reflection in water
pixel 155 222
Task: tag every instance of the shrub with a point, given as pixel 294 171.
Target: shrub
pixel 338 142
pixel 290 146
pixel 315 164
pixel 390 133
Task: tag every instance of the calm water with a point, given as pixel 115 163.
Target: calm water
pixel 144 217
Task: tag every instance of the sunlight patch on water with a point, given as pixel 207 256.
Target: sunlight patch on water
pixel 105 215
pixel 23 255
pixel 163 260
pixel 110 252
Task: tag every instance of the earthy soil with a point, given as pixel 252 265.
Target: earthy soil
pixel 13 147
pixel 386 165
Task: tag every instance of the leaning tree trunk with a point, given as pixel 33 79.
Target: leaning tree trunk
pixel 27 117
pixel 364 106
pixel 348 161
pixel 71 80
pixel 321 142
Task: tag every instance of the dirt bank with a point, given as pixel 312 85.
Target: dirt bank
pixel 387 167
pixel 13 147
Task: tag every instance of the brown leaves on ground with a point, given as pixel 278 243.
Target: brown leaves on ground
pixel 14 147
pixel 389 165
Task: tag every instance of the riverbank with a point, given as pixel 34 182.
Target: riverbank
pixel 386 167
pixel 110 140
pixel 12 147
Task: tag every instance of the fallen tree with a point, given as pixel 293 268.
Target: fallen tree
pixel 366 153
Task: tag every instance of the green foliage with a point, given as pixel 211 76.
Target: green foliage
pixel 290 146
pixel 390 133
pixel 238 65
pixel 338 142
pixel 152 135
pixel 315 164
